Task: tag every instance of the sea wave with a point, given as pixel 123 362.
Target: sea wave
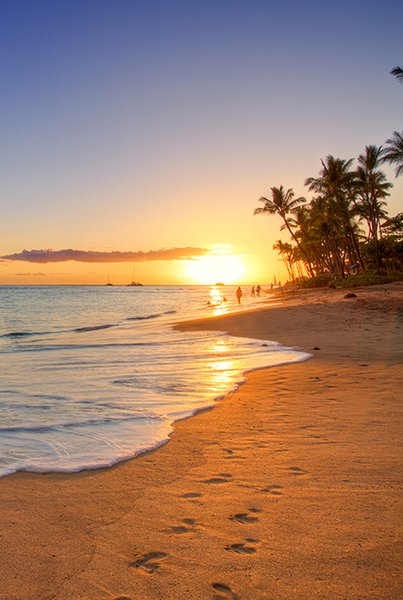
pixel 151 316
pixel 78 424
pixel 110 376
pixel 22 334
pixel 85 328
pixel 58 347
pixel 94 328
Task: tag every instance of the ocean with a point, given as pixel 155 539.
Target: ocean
pixel 93 375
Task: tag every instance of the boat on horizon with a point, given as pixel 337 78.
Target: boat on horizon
pixel 134 283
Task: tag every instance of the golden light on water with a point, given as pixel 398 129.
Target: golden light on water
pixel 221 266
pixel 220 369
pixel 221 374
pixel 219 347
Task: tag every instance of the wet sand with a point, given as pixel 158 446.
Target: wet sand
pixel 289 489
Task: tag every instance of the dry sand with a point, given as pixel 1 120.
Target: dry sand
pixel 289 489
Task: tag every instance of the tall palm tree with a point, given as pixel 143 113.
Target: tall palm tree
pixel 284 204
pixel 372 188
pixel 336 185
pixel 398 73
pixel 393 152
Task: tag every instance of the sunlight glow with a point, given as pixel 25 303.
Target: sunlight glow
pixel 218 267
pixel 220 377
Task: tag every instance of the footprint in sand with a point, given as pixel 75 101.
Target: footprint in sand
pixel 180 529
pixel 241 548
pixel 274 490
pixel 123 598
pixel 148 562
pixel 220 478
pixel 224 592
pixel 231 454
pixel 184 528
pixel 244 518
pixel 297 471
pixel 191 495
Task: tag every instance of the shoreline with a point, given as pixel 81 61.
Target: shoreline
pixel 224 506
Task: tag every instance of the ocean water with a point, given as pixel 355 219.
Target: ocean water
pixel 94 375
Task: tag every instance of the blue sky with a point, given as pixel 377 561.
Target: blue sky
pixel 133 125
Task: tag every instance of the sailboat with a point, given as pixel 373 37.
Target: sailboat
pixel 134 283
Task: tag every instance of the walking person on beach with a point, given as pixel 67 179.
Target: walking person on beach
pixel 239 295
pixel 252 292
pixel 258 288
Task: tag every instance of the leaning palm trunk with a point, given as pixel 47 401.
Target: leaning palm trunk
pixel 300 248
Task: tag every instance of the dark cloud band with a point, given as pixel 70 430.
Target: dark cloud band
pixel 89 256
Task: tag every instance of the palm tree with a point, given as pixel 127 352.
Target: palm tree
pixel 305 230
pixel 286 252
pixel 393 152
pixel 284 204
pixel 398 73
pixel 336 185
pixel 372 188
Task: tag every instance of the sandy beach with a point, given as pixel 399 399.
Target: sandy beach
pixel 289 489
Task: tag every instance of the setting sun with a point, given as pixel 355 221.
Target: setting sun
pixel 217 267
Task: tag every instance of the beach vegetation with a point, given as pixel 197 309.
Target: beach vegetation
pixel 344 231
pixel 393 151
pixel 398 73
pixel 284 204
pixel 349 281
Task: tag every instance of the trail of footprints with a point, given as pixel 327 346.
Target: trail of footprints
pixel 150 563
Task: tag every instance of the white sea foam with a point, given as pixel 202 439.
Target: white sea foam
pixel 93 376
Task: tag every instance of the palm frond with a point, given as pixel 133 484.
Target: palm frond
pixel 398 73
pixel 393 151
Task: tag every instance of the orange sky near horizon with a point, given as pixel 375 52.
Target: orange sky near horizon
pixel 228 268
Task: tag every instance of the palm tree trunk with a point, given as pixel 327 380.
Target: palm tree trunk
pixel 308 263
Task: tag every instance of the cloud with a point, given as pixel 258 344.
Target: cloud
pixel 31 275
pixel 90 256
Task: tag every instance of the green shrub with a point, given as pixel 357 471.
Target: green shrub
pixel 363 279
pixel 322 280
pixel 349 281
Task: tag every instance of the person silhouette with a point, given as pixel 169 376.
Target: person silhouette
pixel 239 295
pixel 258 288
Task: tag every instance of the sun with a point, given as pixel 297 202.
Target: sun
pixel 217 267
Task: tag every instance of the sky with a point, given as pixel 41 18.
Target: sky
pixel 151 128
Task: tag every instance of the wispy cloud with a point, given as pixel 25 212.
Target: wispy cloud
pixel 90 256
pixel 31 275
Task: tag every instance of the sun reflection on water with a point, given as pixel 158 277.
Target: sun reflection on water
pixel 221 370
pixel 219 347
pixel 217 301
pixel 221 375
